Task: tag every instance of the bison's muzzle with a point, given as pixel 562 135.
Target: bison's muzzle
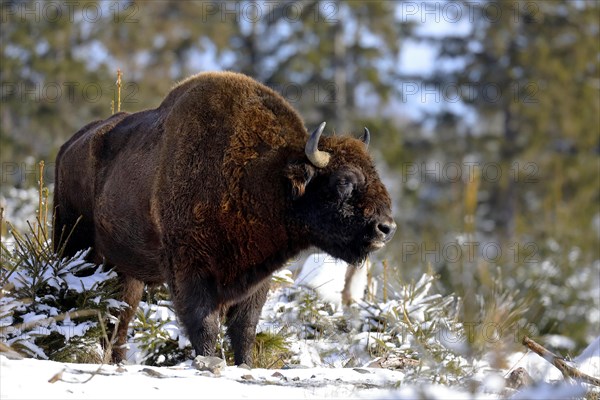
pixel 385 233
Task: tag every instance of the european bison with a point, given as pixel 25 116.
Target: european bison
pixel 212 192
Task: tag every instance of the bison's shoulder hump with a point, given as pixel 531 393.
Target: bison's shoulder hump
pixel 224 88
pixel 224 102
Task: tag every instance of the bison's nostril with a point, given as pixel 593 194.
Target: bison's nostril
pixel 385 228
pixel 388 230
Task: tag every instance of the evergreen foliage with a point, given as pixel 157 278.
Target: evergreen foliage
pixel 53 307
pixel 158 336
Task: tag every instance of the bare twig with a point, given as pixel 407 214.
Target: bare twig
pixel 280 358
pixel 370 292
pixel 109 342
pixel 119 76
pixel 1 221
pixel 385 271
pixel 40 200
pixel 560 363
pixel 46 196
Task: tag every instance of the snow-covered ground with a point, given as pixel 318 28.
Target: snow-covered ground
pixel 29 378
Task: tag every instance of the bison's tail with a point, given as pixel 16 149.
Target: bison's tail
pixel 70 231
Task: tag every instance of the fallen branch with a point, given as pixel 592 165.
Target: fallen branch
pixel 560 363
pixel 9 352
pixel 108 350
pixel 59 375
pixel 107 354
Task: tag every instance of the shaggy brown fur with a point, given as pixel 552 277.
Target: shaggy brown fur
pixel 212 192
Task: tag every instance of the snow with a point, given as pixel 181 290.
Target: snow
pixel 435 392
pixel 69 329
pixel 29 378
pixel 493 383
pixel 32 317
pixel 559 341
pixel 547 391
pixel 588 361
pixel 87 283
pixel 326 275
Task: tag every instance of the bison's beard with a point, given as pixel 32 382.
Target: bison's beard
pixel 353 253
pixel 351 241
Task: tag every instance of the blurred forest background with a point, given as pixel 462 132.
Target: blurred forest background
pixel 484 118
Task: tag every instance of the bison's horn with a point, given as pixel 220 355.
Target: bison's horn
pixel 320 159
pixel 366 137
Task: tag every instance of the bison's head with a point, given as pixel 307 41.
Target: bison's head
pixel 338 197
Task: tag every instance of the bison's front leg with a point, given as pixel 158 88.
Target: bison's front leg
pixel 194 301
pixel 241 323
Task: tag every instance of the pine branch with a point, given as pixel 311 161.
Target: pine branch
pixel 28 325
pixel 560 363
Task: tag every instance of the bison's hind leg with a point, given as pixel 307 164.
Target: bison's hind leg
pixel 131 293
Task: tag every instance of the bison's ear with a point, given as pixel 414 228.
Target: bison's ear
pixel 299 175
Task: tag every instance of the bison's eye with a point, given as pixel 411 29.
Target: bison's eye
pixel 344 187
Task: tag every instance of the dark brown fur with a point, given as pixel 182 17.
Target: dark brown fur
pixel 212 192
